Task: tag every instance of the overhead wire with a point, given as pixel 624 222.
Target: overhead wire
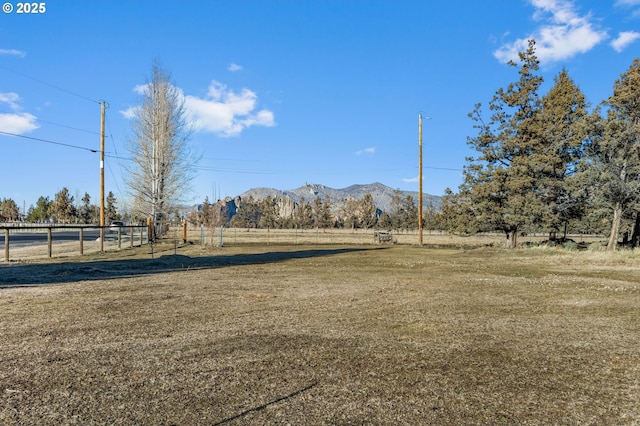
pixel 116 157
pixel 93 132
pixel 50 85
pixel 115 180
pixel 70 92
pixel 50 141
pixel 443 168
pixel 73 93
pixel 254 172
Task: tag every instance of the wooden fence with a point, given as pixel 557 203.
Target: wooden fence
pixel 27 240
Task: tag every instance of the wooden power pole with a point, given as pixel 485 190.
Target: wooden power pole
pixel 420 180
pixel 102 111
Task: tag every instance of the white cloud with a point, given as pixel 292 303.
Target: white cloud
pixel 140 89
pixel 234 67
pixel 11 99
pixel 624 39
pixel 371 150
pixel 13 52
pixel 17 122
pixel 411 180
pixel 130 112
pixel 221 111
pixel 629 4
pixel 225 112
pixel 562 34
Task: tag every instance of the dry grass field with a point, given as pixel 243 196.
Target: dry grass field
pixel 333 334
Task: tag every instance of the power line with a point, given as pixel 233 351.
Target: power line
pixel 232 159
pixel 443 168
pixel 51 142
pixel 50 85
pixel 113 142
pixel 252 172
pixel 115 157
pixel 114 179
pixel 69 127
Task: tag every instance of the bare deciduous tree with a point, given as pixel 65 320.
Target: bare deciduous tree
pixel 163 164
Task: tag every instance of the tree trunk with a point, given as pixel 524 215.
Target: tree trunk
pixel 636 231
pixel 512 237
pixel 615 227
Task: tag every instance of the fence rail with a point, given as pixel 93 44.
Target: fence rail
pixel 220 236
pixel 27 240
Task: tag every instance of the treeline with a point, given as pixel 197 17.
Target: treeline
pixel 282 213
pixel 547 162
pixel 9 210
pixel 61 209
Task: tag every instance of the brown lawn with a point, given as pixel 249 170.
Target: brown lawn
pixel 322 334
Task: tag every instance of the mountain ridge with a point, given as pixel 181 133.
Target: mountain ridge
pixel 382 194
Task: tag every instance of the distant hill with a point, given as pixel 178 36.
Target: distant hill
pixel 381 194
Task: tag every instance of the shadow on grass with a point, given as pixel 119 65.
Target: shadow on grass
pixel 65 272
pixel 263 406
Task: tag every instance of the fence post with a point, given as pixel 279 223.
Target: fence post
pixel 119 237
pixel 49 241
pixel 6 245
pixel 131 236
pixel 81 241
pixel 184 231
pixel 150 232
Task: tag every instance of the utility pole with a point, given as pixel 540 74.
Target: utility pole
pixel 102 112
pixel 420 180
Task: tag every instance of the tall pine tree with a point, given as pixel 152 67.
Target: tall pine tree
pixel 563 131
pixel 625 110
pixel 501 182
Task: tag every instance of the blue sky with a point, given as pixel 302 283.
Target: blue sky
pixel 284 92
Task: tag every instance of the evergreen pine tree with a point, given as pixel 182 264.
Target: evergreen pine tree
pixel 501 183
pixel 563 126
pixel 368 212
pixel 41 212
pixel 62 207
pixel 625 107
pixel 111 211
